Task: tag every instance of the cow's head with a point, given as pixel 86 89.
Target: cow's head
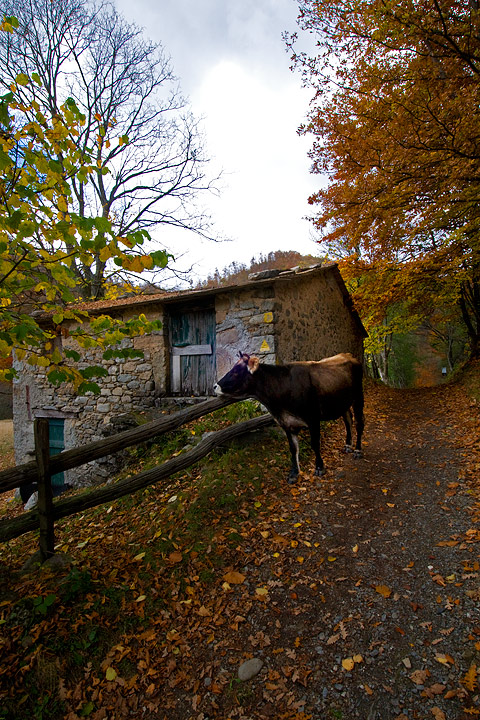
pixel 238 382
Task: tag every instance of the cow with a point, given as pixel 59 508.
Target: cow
pixel 301 395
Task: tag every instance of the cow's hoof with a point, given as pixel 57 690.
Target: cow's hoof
pixel 319 472
pixel 348 449
pixel 292 479
pixel 357 454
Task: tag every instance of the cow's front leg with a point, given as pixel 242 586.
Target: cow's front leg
pixel 315 443
pixel 294 451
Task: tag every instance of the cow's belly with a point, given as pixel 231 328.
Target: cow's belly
pixel 290 421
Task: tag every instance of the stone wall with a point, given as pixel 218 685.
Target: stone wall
pixel 245 323
pixel 130 387
pixel 312 320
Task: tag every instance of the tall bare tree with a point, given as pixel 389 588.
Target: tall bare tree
pixel 135 116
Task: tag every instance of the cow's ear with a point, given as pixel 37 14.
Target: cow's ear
pixel 253 363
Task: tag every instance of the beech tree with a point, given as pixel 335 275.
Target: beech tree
pixel 395 120
pixel 137 124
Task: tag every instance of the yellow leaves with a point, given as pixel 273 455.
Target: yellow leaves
pixel 137 263
pixel 62 204
pixel 469 680
pixel 349 663
pixel 444 659
pixel 110 673
pixel 38 360
pixel 383 590
pixel 105 253
pixel 261 593
pixel 7 24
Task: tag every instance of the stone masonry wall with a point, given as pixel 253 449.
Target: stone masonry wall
pixel 245 323
pixel 131 386
pixel 312 320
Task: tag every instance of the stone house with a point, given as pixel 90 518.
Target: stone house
pixel 280 316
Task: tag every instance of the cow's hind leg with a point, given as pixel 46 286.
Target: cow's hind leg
pixel 294 451
pixel 348 420
pixel 359 425
pixel 315 443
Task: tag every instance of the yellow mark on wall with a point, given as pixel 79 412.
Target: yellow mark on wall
pixel 264 347
pixel 268 317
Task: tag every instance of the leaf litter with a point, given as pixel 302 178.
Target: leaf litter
pixel 358 593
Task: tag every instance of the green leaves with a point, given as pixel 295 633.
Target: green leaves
pixel 22 79
pixel 9 23
pixel 5 160
pixel 41 604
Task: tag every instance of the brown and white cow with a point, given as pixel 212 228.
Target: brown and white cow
pixel 301 395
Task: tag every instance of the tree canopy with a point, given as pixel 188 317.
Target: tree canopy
pixel 395 120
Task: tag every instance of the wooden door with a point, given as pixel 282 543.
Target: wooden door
pixel 192 351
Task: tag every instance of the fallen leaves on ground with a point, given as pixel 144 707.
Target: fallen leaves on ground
pixel 349 600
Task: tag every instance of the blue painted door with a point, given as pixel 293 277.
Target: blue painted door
pixel 56 436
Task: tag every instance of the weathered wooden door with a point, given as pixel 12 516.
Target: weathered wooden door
pixel 192 351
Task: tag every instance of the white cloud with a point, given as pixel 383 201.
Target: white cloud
pixel 233 65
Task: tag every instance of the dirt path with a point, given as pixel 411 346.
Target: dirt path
pixel 380 616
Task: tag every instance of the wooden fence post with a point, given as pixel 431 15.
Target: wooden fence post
pixel 45 494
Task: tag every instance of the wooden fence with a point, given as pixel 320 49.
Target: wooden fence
pixel 43 467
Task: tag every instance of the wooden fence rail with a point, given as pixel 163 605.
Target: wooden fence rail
pixel 91 498
pixel 68 459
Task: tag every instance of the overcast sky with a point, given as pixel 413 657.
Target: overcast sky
pixel 231 61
